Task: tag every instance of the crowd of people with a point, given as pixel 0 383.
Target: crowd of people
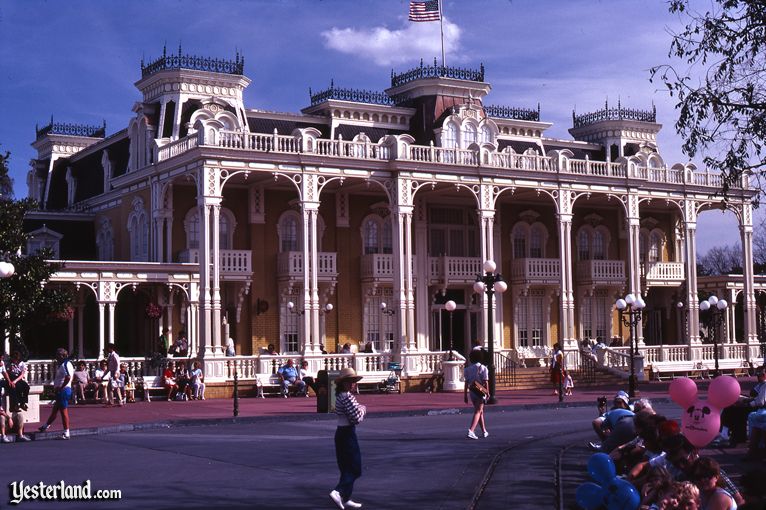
pixel 651 452
pixel 184 383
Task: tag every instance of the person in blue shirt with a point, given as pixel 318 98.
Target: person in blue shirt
pixel 289 375
pixel 615 427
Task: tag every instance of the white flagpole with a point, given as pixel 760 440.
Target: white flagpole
pixel 441 27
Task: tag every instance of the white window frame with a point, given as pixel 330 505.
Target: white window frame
pixel 43 238
pixel 138 228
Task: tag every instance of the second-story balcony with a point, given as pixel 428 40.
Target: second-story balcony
pixel 601 272
pixel 232 262
pixel 663 274
pixel 536 271
pixel 290 266
pixel 453 270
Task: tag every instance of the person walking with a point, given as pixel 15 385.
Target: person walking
pixel 558 372
pixel 62 386
pixel 113 363
pixel 350 414
pixel 477 386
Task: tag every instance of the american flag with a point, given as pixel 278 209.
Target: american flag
pixel 425 11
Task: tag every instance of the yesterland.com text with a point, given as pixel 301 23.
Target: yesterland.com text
pixel 61 491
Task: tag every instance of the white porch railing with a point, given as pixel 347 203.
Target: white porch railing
pixel 40 372
pixel 536 271
pixel 290 264
pixel 665 271
pixel 231 261
pixel 177 147
pixel 605 271
pixel 454 269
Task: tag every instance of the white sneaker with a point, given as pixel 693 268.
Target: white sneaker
pixel 5 439
pixel 486 434
pixel 23 438
pixel 65 435
pixel 335 497
pixel 352 504
pixel 471 435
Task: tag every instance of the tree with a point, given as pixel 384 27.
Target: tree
pixel 721 260
pixel 24 298
pixel 722 92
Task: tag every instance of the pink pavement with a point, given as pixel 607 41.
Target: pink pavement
pixel 96 416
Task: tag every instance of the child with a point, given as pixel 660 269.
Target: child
pixel 568 384
pixel 127 384
pixel 197 384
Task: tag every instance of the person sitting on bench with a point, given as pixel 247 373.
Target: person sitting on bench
pixel 289 375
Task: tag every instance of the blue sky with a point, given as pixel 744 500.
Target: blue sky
pixel 78 60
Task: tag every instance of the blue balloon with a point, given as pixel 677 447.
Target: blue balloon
pixel 622 495
pixel 601 468
pixel 590 496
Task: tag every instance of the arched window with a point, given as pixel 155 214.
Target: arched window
pixel 469 134
pixel 598 248
pixel 226 227
pixel 105 240
pixel 536 242
pixel 519 242
pixel 485 135
pixel 289 240
pixel 371 237
pixel 138 228
pixel 655 246
pixel 583 244
pixel 376 234
pixel 449 136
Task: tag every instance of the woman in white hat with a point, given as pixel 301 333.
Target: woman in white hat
pixel 350 414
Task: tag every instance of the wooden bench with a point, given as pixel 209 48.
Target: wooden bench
pixel 272 385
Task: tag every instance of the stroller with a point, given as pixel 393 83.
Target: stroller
pixel 391 384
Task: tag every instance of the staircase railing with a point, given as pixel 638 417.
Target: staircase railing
pixel 505 370
pixel 588 366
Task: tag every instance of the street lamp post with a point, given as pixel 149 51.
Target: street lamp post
pixel 450 307
pixel 715 308
pixel 7 270
pixel 489 283
pixel 631 308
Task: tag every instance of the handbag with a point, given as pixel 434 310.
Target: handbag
pixel 478 388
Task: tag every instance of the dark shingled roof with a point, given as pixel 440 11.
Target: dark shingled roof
pixel 284 127
pixel 90 176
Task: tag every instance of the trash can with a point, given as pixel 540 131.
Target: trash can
pixel 326 390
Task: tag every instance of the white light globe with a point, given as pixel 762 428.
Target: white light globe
pixel 450 306
pixel 6 269
pixel 713 300
pixel 490 266
pixel 640 303
pixel 383 305
pixel 680 305
pixel 290 305
pixel 479 287
pixel 328 307
pixel 722 304
pixel 704 306
pixel 500 287
pixel 630 299
pixel 620 304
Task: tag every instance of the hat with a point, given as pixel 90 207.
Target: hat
pixel 621 395
pixel 347 374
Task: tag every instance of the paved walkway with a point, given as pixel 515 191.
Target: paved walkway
pixel 95 418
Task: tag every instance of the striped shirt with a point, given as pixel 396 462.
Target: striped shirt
pixel 349 411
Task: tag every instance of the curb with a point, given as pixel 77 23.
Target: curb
pixel 194 422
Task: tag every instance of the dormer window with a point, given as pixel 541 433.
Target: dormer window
pixel 469 135
pixel 42 239
pixel 449 136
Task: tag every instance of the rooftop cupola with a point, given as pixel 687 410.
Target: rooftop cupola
pixel 622 131
pixel 432 90
pixel 179 89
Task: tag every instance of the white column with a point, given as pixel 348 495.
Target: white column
pixel 216 273
pixel 634 256
pixel 422 301
pixel 205 331
pixel 169 238
pixel 691 283
pixel 306 278
pixel 101 329
pixel 486 234
pixel 399 280
pixel 110 307
pixel 316 339
pixel 750 305
pixel 411 345
pixel 566 301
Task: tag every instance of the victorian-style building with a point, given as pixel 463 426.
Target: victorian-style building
pixel 248 223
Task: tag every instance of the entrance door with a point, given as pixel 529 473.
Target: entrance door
pixel 458 330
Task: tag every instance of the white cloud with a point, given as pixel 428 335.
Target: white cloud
pixel 386 47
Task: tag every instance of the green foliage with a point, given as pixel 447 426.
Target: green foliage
pixel 24 298
pixel 722 91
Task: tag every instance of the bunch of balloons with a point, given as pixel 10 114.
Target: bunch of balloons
pixel 702 419
pixel 609 492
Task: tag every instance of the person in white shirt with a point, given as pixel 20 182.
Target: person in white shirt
pixel 101 380
pixel 197 382
pixel 230 347
pixel 113 363
pixel 307 377
pixel 62 386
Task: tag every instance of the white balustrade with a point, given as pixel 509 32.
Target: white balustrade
pixel 231 261
pixel 290 264
pixel 177 147
pixel 451 269
pixel 665 271
pixel 533 269
pixel 601 270
pixel 377 266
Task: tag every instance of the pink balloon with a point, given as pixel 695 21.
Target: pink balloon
pixel 683 391
pixel 700 423
pixel 723 391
